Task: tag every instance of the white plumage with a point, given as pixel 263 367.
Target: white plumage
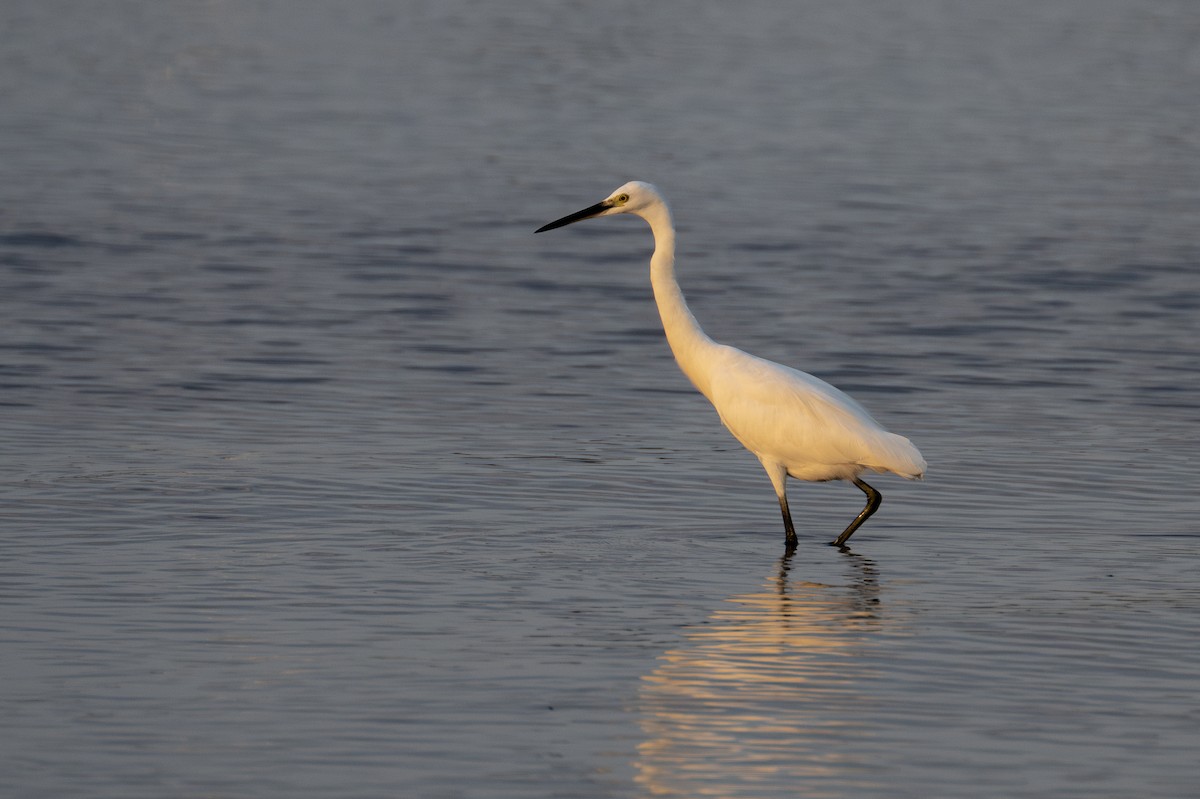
pixel 796 424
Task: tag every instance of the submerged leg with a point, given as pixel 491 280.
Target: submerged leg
pixel 873 500
pixel 788 530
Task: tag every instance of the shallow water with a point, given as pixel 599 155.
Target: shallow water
pixel 323 476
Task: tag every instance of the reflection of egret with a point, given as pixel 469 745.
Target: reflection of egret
pixel 797 425
pixel 766 695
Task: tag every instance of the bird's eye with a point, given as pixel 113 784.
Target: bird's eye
pixel 622 198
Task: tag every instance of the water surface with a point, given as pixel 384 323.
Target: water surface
pixel 323 476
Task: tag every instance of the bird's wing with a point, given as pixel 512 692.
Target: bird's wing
pixel 802 422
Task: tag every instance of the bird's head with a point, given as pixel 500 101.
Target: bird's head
pixel 635 197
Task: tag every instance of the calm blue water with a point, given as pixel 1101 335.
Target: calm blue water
pixel 323 476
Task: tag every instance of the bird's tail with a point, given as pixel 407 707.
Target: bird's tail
pixel 901 457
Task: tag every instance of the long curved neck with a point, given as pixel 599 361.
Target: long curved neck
pixel 692 347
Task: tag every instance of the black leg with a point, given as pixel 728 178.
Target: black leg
pixel 873 500
pixel 789 530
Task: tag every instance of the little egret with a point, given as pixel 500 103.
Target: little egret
pixel 796 424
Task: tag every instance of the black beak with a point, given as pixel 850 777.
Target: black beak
pixel 586 213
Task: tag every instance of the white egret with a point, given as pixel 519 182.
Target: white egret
pixel 796 424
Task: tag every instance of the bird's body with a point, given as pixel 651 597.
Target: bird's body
pixel 796 424
pixel 811 429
